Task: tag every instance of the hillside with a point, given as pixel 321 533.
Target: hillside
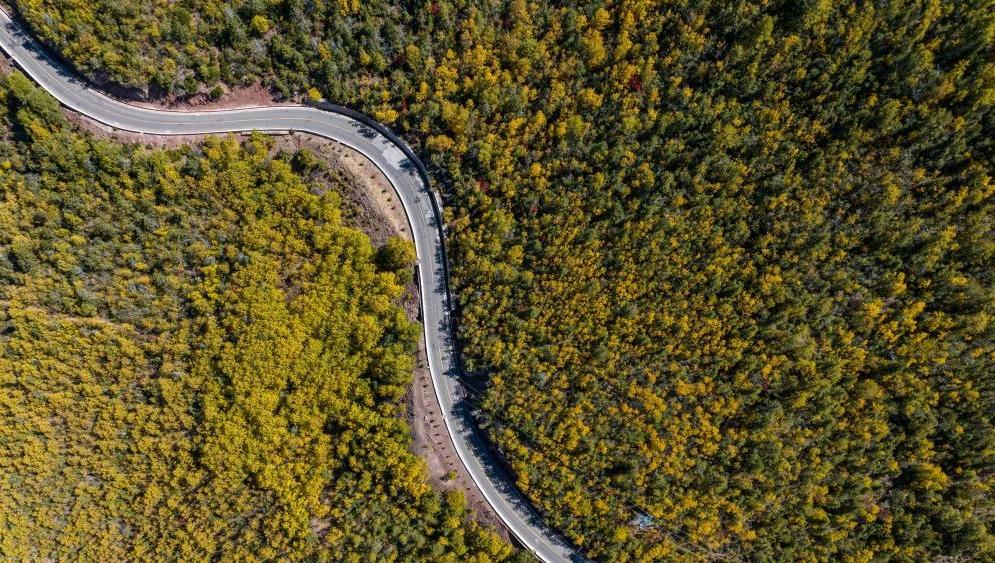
pixel 198 358
pixel 725 266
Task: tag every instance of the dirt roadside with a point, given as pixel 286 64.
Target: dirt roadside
pixel 378 211
pixel 253 95
pixel 370 204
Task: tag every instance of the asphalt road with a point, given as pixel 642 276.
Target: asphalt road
pixel 426 227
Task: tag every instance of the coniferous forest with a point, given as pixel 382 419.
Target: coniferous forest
pixel 726 267
pixel 198 359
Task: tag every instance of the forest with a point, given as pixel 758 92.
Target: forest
pixel 197 358
pixel 725 267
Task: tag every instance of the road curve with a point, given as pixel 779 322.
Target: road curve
pixel 406 175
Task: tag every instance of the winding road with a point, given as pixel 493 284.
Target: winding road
pixel 406 174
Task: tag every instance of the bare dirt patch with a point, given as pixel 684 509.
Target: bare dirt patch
pixel 253 95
